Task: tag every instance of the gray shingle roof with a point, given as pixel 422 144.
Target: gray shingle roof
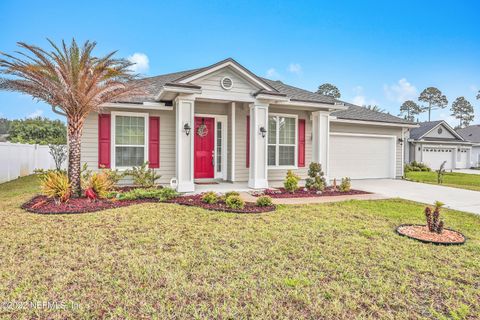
pixel 470 133
pixel 152 86
pixel 355 112
pixel 417 133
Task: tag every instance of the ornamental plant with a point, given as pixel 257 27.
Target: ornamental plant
pixel 434 223
pixel 56 185
pixel 101 184
pixel 264 201
pixel 291 182
pixel 143 176
pixel 235 202
pixel 316 180
pixel 345 185
pixel 210 197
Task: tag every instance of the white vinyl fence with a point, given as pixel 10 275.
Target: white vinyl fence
pixel 18 160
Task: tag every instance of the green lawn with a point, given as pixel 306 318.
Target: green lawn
pixel 451 179
pixel 330 261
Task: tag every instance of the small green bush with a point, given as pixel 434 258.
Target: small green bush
pixel 55 185
pixel 231 193
pixel 345 185
pixel 291 182
pixel 417 167
pixel 235 202
pixel 143 175
pixel 162 194
pixel 264 201
pixel 210 197
pixel 316 179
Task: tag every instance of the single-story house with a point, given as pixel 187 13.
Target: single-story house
pixel 224 123
pixel 472 134
pixel 434 142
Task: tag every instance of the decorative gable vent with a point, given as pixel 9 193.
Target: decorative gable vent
pixel 226 83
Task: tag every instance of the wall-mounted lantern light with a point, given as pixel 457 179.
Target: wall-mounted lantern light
pixel 263 132
pixel 187 128
pixel 400 141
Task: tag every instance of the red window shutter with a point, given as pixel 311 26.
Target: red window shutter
pixel 301 142
pixel 104 141
pixel 154 142
pixel 248 142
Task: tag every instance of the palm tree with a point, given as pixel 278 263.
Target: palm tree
pixel 71 79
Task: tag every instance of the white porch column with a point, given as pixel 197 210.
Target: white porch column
pixel 321 139
pixel 184 152
pixel 258 146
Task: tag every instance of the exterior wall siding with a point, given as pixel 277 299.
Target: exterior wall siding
pixel 373 129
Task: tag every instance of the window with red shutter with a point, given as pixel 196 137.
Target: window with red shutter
pixel 301 142
pixel 104 141
pixel 154 142
pixel 248 142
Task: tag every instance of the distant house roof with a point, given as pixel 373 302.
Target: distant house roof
pixel 153 85
pixel 425 127
pixel 470 133
pixel 355 112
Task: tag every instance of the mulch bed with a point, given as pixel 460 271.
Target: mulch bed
pixel 44 205
pixel 301 193
pixel 196 201
pixel 421 233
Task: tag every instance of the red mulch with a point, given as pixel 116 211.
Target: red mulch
pixel 421 233
pixel 196 201
pixel 44 205
pixel 300 193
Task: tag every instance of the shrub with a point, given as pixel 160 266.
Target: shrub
pixel 316 179
pixel 101 184
pixel 143 176
pixel 114 175
pixel 231 193
pixel 345 185
pixel 162 194
pixel 55 184
pixel 58 153
pixel 235 202
pixel 434 223
pixel 264 201
pixel 210 197
pixel 417 167
pixel 441 173
pixel 291 182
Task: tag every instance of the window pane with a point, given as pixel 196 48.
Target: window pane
pixel 287 130
pixel 271 155
pixel 272 130
pixel 129 156
pixel 129 130
pixel 219 147
pixel 286 155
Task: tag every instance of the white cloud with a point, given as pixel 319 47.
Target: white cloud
pixel 142 64
pixel 360 98
pixel 401 91
pixel 295 68
pixel 36 113
pixel 272 73
pixel 448 118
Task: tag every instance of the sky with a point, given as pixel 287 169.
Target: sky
pixel 376 52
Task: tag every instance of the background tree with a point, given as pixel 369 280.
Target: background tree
pixel 374 108
pixel 328 89
pixel 410 109
pixel 71 79
pixel 434 98
pixel 462 109
pixel 4 125
pixel 478 95
pixel 37 131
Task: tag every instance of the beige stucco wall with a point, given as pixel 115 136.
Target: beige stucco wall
pixel 374 129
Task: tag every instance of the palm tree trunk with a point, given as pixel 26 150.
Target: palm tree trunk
pixel 74 145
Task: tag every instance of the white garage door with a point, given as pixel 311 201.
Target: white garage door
pixel 435 156
pixel 362 156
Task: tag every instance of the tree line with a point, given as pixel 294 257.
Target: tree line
pixel 39 130
pixel 432 99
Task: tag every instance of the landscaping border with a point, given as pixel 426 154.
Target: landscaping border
pixel 430 241
pixel 195 201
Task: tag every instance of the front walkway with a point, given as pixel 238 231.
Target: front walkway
pixel 454 198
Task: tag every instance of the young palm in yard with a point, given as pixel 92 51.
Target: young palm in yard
pixel 71 79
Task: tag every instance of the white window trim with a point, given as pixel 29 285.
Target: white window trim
pixel 114 114
pixel 283 167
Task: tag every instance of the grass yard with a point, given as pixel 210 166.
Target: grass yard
pixel 330 261
pixel 450 179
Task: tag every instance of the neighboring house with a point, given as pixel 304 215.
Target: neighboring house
pixel 472 134
pixel 434 142
pixel 225 123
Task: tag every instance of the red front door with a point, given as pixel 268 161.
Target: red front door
pixel 204 147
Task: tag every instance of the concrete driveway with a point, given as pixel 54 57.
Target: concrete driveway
pixel 458 199
pixel 469 171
